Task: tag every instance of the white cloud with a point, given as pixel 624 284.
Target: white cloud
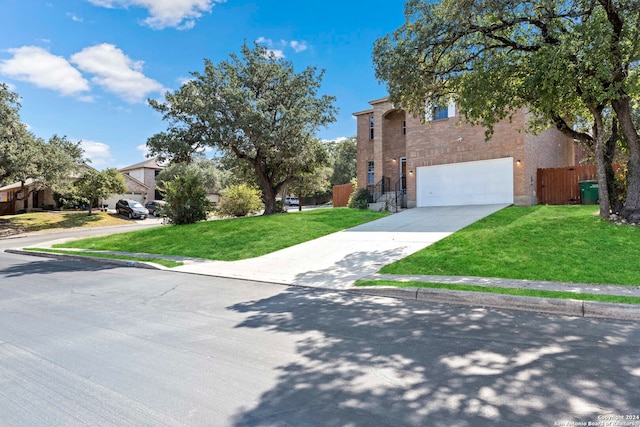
pixel 180 14
pixel 143 149
pixel 184 80
pixel 97 152
pixel 338 139
pixel 116 72
pixel 264 40
pixel 74 17
pixel 279 54
pixel 38 66
pixel 298 46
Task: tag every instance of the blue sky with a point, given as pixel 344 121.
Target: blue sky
pixel 85 68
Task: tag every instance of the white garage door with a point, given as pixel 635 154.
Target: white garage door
pixel 112 200
pixel 471 183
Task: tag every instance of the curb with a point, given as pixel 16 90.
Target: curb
pixel 119 262
pixel 565 307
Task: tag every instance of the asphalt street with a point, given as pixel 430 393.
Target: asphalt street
pixel 86 343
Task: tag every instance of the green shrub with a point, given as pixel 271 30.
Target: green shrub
pixel 358 199
pixel 239 200
pixel 70 200
pixel 187 199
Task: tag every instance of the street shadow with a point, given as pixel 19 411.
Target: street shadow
pixel 378 361
pixel 51 266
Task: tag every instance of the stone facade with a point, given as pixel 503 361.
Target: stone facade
pixel 398 135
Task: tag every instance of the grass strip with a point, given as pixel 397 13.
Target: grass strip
pixel 505 291
pixel 164 262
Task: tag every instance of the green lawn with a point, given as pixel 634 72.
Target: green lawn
pixel 232 239
pixel 36 221
pixel 556 243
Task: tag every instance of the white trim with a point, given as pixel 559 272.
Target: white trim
pixel 451 112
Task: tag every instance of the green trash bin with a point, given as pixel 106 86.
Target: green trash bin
pixel 589 192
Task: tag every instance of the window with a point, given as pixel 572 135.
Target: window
pixel 370 179
pixel 440 112
pixel 404 127
pixel 434 111
pixel 371 127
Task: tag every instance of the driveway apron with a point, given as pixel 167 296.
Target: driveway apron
pixel 337 260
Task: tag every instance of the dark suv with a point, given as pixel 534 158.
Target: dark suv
pixel 131 209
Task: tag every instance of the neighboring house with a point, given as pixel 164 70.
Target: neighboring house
pixel 136 190
pixel 140 180
pixel 32 197
pixel 146 172
pixel 446 162
pixel 12 198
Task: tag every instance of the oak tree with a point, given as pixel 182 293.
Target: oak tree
pixel 94 185
pixel 254 107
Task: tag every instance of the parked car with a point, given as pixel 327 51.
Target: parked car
pixel 156 207
pixel 292 201
pixel 131 209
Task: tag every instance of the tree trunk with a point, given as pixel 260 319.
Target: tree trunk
pixel 601 168
pixel 609 155
pixel 631 209
pixel 269 199
pixel 268 192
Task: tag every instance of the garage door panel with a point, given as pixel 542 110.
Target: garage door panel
pixel 468 183
pixel 113 199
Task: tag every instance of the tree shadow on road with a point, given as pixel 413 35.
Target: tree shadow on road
pixel 51 266
pixel 379 361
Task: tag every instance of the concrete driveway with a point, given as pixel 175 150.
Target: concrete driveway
pixel 337 260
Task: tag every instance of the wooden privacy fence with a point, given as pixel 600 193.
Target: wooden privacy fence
pixel 341 194
pixel 559 186
pixel 8 208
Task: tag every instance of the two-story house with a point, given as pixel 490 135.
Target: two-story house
pixel 446 162
pixel 140 180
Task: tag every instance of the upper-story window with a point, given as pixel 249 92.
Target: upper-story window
pixel 371 127
pixel 434 111
pixel 440 112
pixel 404 127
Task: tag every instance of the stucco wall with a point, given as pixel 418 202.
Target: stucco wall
pixel 150 181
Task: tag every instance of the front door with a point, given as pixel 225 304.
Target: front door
pixel 35 203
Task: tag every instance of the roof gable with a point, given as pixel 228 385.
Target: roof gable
pixel 147 164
